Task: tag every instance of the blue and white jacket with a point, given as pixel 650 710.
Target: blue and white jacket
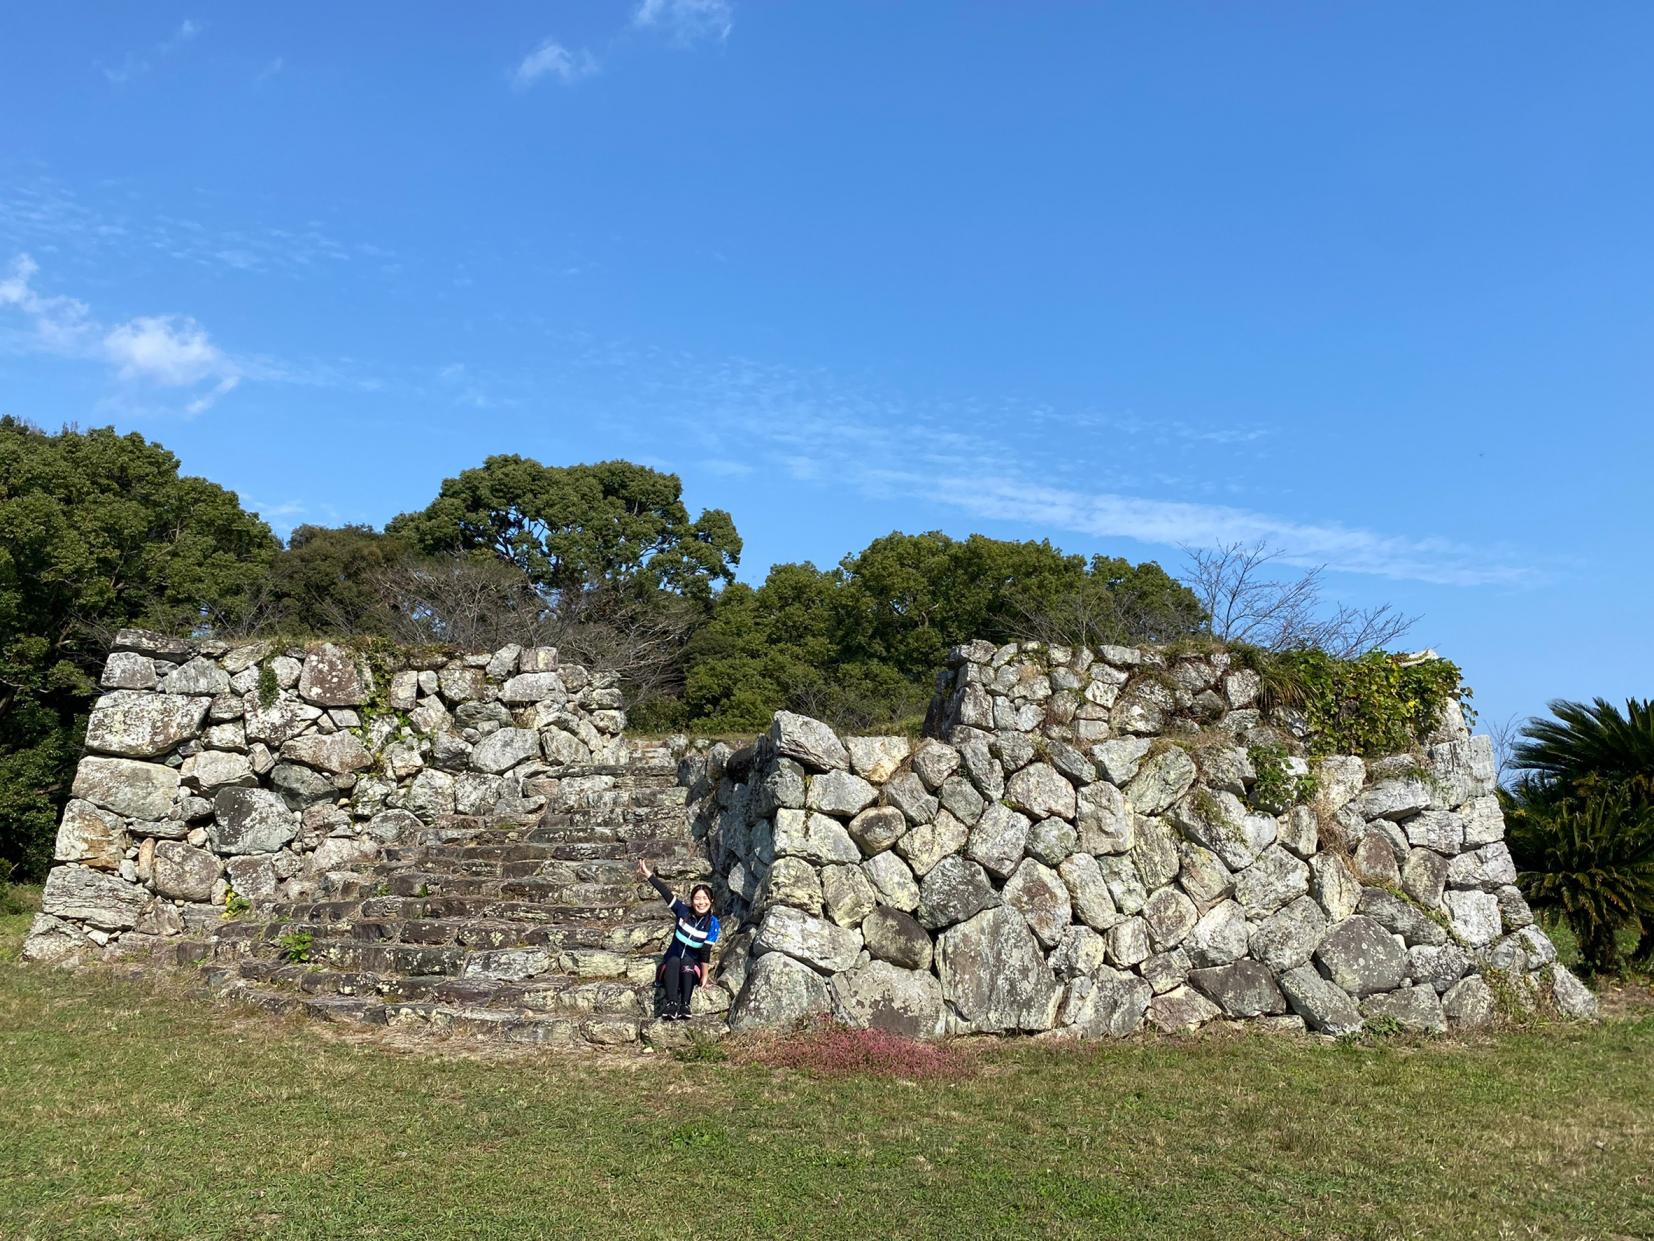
pixel 694 934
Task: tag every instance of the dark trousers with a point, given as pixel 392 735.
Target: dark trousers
pixel 680 979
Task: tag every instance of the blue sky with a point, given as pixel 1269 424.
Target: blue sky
pixel 1372 283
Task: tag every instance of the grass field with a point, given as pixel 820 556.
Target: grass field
pixel 129 1112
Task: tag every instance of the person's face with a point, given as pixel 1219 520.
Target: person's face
pixel 700 902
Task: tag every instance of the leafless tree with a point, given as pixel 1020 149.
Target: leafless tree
pixel 1247 603
pixel 1505 734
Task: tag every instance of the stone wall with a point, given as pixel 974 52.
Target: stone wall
pixel 265 768
pixel 1084 844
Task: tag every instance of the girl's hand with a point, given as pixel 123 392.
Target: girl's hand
pixel 643 871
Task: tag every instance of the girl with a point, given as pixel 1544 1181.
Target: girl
pixel 685 961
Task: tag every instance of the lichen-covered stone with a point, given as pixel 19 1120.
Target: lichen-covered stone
pixel 250 821
pixel 332 678
pixel 1040 791
pixel 779 992
pixel 1161 780
pixel 955 889
pixel 923 846
pixel 994 975
pixel 839 793
pixel 848 894
pixel 100 900
pixel 814 941
pixel 1219 937
pixel 1289 937
pixel 1088 891
pixel 1323 1005
pixel 90 836
pixel 1416 1009
pixel 882 996
pixel 1180 1011
pixel 184 872
pixel 1105 1003
pixel 1361 957
pixel 1039 894
pixel 1243 988
pixel 998 840
pixel 134 724
pixel 877 758
pixel 126 786
pixel 893 935
pixel 809 741
pixel 336 753
pixel 1104 819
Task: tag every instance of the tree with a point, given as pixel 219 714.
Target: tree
pixel 97 531
pixel 622 575
pixel 329 580
pixel 860 644
pixel 571 528
pixel 1582 815
pixel 1245 603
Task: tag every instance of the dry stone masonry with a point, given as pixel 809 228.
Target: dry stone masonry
pixel 271 771
pixel 1083 844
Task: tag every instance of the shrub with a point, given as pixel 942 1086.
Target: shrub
pixel 1591 863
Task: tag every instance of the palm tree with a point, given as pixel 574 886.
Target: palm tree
pixel 1582 818
pixel 1592 863
pixel 1592 745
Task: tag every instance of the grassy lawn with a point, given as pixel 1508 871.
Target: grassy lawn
pixel 127 1112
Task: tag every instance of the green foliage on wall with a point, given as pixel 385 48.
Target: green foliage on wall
pixel 1374 705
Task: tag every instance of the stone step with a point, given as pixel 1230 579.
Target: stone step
pixel 647 936
pixel 546 993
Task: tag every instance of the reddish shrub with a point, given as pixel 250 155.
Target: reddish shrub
pixel 832 1049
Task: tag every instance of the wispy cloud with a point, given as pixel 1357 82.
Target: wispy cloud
pixel 40 214
pixel 552 60
pixel 136 64
pixel 148 351
pixel 687 22
pixel 1030 466
pixel 271 68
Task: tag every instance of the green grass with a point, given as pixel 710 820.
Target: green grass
pixel 128 1112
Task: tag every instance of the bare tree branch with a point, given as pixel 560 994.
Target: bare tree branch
pixel 1245 603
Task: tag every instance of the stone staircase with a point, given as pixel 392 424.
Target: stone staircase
pixel 534 932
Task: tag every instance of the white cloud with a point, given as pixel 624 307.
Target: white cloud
pixel 164 351
pixel 136 64
pixel 687 21
pixel 552 59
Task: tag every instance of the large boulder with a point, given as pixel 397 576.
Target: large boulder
pixel 1088 891
pixel 250 821
pixel 1219 937
pixel 1244 988
pixel 93 897
pixel 778 992
pixel 127 787
pixel 926 844
pixel 1041 792
pixel 1162 780
pixel 994 974
pixel 893 880
pixel 877 828
pixel 839 793
pixel 881 996
pixel 892 935
pixel 791 881
pixel 847 893
pixel 1219 822
pixel 954 890
pixel 1105 1003
pixel 1104 819
pixel 814 837
pixel 199 676
pixel 1039 894
pixel 335 753
pixel 1289 937
pixel 809 741
pixel 504 749
pixel 301 786
pixel 814 941
pixel 1322 1005
pixel 1362 957
pixel 999 839
pixel 135 724
pixel 184 872
pixel 877 758
pixel 332 678
pixel 1416 1009
pixel 90 836
pixel 1276 878
pixel 1181 1010
pixel 528 688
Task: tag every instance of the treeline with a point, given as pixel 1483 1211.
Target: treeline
pixel 100 531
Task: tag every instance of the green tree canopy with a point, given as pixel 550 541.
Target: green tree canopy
pixel 860 644
pixel 97 531
pixel 577 527
pixel 327 580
